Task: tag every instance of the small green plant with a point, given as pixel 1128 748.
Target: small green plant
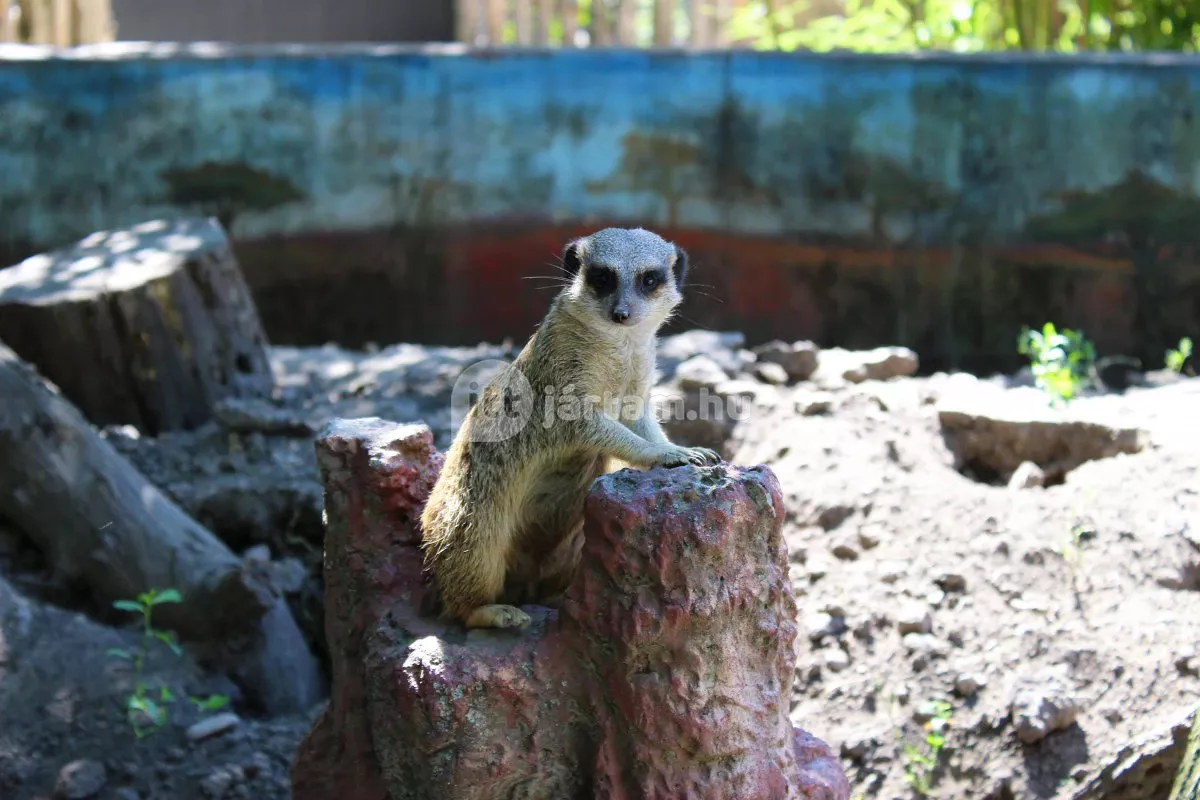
pixel 1177 358
pixel 1062 361
pixel 919 766
pixel 145 708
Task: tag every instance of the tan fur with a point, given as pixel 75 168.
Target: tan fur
pixel 503 525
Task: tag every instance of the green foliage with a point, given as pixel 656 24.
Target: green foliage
pixel 889 26
pixel 146 714
pixel 919 765
pixel 1062 361
pixel 1178 357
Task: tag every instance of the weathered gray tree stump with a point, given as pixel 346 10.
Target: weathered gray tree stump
pixel 148 326
pixel 102 525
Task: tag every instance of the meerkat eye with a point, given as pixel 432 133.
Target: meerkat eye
pixel 602 280
pixel 650 280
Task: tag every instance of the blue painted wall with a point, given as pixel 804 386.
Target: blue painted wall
pixel 385 193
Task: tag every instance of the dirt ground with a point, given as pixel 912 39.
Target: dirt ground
pixel 1060 624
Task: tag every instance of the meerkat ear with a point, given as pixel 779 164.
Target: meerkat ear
pixel 680 267
pixel 572 257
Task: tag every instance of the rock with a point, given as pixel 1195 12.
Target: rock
pixel 259 764
pixel 991 434
pixel 810 404
pixel 820 625
pixel 914 618
pixel 924 644
pixel 212 726
pixel 844 550
pixel 218 783
pixel 259 553
pixel 770 373
pixel 255 414
pixel 837 659
pixel 723 347
pixel 1027 475
pixel 1042 703
pixel 951 582
pixel 126 793
pixel 672 649
pixel 879 364
pixel 798 361
pixel 80 779
pixel 1143 768
pixel 968 684
pixel 700 372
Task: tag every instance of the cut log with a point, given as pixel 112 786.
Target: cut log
pixel 149 326
pixel 102 525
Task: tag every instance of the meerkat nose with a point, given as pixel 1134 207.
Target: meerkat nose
pixel 620 315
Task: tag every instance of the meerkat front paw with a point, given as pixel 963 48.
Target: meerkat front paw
pixel 498 616
pixel 682 456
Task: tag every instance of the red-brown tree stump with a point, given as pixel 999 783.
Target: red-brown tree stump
pixel 667 673
pixel 148 326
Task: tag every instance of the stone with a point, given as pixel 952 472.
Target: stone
pixel 700 372
pixel 879 364
pixel 1143 768
pixel 673 649
pixel 721 346
pixel 256 414
pixel 813 403
pixel 837 659
pixel 218 783
pixel 924 644
pixel 951 581
pixel 968 684
pixel 770 373
pixel 1042 702
pixel 212 726
pixel 914 618
pixel 259 553
pixel 80 779
pixel 1027 475
pixel 126 793
pixel 798 360
pixel 992 433
pixel 820 625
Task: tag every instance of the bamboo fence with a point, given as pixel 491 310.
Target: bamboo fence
pixel 598 23
pixel 62 23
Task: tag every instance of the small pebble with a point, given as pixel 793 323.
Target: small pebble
pixel 212 726
pixel 79 780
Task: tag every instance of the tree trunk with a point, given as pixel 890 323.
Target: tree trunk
pixel 1187 779
pixel 149 326
pixel 100 523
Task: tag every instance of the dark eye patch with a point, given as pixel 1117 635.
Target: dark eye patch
pixel 602 280
pixel 649 281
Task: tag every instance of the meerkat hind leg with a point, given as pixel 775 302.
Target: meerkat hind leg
pixel 497 615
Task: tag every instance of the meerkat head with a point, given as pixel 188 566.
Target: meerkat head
pixel 624 279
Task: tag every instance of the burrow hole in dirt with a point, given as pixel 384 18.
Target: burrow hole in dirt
pixel 982 473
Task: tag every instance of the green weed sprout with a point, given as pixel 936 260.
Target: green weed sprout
pixel 1062 361
pixel 919 766
pixel 145 713
pixel 1178 357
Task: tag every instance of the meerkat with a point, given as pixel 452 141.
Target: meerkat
pixel 503 524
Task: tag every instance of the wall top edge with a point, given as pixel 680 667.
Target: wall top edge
pixel 123 51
